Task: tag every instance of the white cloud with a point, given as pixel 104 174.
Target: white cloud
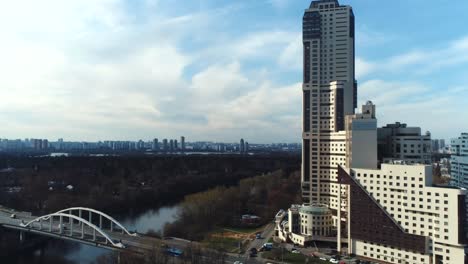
pixel 419 62
pixel 363 67
pixel 291 56
pixel 366 37
pixel 417 105
pixel 90 70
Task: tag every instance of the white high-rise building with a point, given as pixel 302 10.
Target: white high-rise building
pixel 459 161
pixel 385 213
pixel 329 94
pixel 459 164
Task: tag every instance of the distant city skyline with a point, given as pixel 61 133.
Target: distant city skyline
pixel 93 69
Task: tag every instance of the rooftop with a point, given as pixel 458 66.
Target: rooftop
pixel 314 209
pixel 315 3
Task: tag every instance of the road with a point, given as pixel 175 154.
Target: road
pixel 137 244
pixel 266 234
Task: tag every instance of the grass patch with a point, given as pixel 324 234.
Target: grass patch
pixel 227 244
pixel 244 230
pixel 292 258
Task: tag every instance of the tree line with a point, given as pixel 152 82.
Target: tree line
pixel 116 184
pixel 223 206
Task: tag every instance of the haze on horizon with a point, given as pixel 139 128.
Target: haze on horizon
pixel 216 70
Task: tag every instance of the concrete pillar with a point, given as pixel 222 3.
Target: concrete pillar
pixel 100 221
pixel 61 225
pixel 71 227
pixel 348 220
pixel 40 224
pixel 22 236
pixel 82 230
pixel 112 226
pixel 71 219
pixel 338 236
pixel 94 234
pixel 51 220
pixel 90 217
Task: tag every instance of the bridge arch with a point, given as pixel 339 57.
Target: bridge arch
pixel 101 214
pixel 80 220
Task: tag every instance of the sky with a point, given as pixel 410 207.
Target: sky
pixel 215 69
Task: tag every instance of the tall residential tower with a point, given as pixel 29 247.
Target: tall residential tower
pixel 387 212
pixel 329 94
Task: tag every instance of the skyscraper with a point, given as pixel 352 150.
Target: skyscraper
pixel 329 94
pixel 165 145
pixel 182 143
pixel 155 145
pixel 241 146
pixel 388 212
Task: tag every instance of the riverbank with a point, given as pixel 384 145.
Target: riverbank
pixel 203 213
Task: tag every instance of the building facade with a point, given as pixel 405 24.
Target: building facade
pixel 396 215
pixel 459 164
pixel 402 143
pixel 329 94
pixel 385 212
pixel 459 161
pixel 182 143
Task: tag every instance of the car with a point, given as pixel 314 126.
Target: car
pixel 295 251
pixel 322 258
pixel 120 245
pixel 253 250
pixel 13 216
pixel 332 260
pixel 258 236
pixel 237 262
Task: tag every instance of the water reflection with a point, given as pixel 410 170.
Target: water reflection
pixel 58 251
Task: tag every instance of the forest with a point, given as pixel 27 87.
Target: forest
pixel 120 184
pixel 263 196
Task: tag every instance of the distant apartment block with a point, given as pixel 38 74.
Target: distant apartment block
pixel 459 161
pixel 398 142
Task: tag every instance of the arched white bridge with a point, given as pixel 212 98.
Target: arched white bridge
pixel 72 223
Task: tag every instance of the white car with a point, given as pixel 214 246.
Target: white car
pixel 322 258
pixel 120 245
pixel 332 260
pixel 237 262
pixel 13 216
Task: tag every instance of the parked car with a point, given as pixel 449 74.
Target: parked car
pixel 332 260
pixel 295 251
pixel 13 216
pixel 258 235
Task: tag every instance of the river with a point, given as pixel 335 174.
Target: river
pixel 71 252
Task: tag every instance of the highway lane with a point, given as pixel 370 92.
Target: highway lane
pixel 266 234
